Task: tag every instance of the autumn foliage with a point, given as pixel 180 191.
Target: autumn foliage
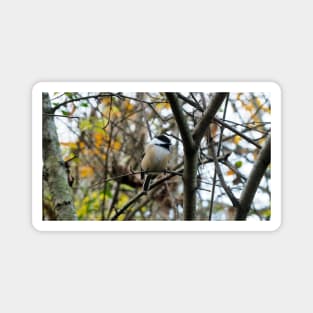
pixel 102 137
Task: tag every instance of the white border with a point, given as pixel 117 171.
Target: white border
pixel 271 225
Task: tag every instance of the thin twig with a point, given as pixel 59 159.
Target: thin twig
pixel 59 115
pixel 215 158
pixel 228 191
pixel 106 169
pixel 189 101
pixel 114 199
pixel 217 120
pixel 139 195
pixel 106 94
pixel 179 173
pixel 109 117
pixel 59 96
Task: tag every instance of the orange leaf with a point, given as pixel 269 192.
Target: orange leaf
pixel 99 138
pixel 230 173
pixel 213 129
pixel 81 145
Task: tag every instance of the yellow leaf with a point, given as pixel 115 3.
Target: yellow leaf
pixel 255 119
pixel 85 125
pixel 267 109
pixel 123 200
pixel 86 171
pixel 238 95
pixel 86 199
pixel 128 106
pixel 82 211
pixel 116 145
pixel 106 100
pixel 162 105
pixel 95 195
pixel 249 107
pixel 255 154
pixel 100 154
pixel 236 139
pixel 71 145
pixel 98 137
pixel 115 112
pixel 258 102
pixel 261 141
pixel 81 145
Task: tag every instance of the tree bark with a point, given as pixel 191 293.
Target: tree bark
pixel 190 183
pixel 54 167
pixel 254 180
pixel 191 142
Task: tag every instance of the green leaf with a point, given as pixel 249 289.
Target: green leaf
pixel 99 125
pixel 85 125
pixel 127 187
pixel 108 192
pixel 69 94
pixel 267 213
pixel 65 113
pixel 238 164
pixel 84 104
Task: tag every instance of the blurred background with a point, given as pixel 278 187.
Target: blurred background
pixel 102 137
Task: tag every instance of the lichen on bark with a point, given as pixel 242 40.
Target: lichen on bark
pixel 54 167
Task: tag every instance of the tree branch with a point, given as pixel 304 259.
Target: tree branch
pixel 181 121
pixel 102 95
pixel 210 142
pixel 228 191
pixel 59 115
pixel 191 143
pixel 208 115
pixel 189 101
pixel 234 130
pixel 139 195
pixel 254 180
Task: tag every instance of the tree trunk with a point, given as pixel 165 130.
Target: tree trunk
pixel 190 183
pixel 54 167
pixel 191 142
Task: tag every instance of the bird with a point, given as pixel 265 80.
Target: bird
pixel 156 156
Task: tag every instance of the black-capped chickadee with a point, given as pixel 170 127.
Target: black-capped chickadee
pixel 157 154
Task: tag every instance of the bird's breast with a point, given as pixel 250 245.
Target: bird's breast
pixel 155 159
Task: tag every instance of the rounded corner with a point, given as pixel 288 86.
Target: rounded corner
pixel 276 87
pixel 276 225
pixel 37 87
pixel 37 225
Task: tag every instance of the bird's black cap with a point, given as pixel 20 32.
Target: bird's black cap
pixel 164 138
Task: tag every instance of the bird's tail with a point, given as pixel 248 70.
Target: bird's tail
pixel 146 184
